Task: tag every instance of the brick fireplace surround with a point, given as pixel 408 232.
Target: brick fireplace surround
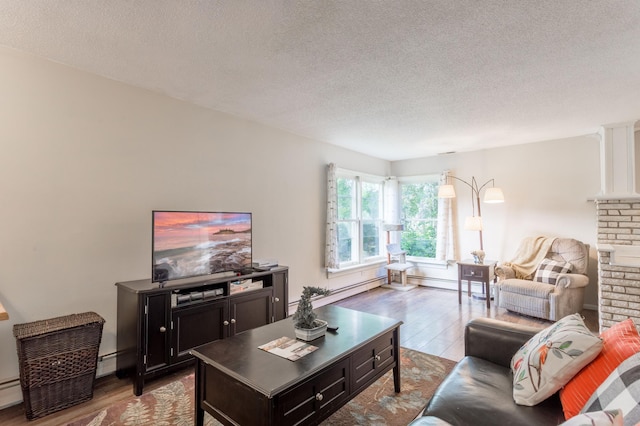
pixel 619 289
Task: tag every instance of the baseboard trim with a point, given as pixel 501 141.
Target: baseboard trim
pixel 399 287
pixel 342 293
pixel 11 395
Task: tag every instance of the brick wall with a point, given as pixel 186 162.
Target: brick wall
pixel 619 289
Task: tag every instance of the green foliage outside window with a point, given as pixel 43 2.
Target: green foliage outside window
pixel 346 191
pixel 360 219
pixel 344 243
pixel 419 206
pixel 346 195
pixel 371 206
pixel 371 196
pixel 370 239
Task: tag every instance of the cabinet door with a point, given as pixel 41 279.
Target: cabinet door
pixel 196 325
pixel 156 330
pixel 372 360
pixel 281 295
pixel 250 310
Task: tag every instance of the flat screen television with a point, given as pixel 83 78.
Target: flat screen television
pixel 191 244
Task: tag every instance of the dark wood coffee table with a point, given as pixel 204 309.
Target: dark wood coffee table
pixel 239 384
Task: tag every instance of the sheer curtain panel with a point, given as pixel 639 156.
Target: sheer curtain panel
pixel 331 247
pixel 446 248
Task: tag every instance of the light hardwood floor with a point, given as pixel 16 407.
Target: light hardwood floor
pixel 433 319
pixel 433 323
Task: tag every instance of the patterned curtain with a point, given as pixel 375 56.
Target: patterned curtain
pixel 446 247
pixel 331 248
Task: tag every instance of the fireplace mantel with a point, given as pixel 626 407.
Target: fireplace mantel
pixel 622 254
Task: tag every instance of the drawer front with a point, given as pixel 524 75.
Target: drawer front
pixel 316 397
pixel 471 272
pixel 372 361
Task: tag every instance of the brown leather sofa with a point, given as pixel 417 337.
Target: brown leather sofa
pixel 479 389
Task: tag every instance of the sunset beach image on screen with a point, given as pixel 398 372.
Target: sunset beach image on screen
pixel 190 244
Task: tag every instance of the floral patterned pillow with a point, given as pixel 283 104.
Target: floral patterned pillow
pixel 551 358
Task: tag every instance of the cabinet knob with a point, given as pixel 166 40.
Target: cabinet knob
pixel 226 322
pixel 233 320
pixel 163 329
pixel 377 357
pixel 472 273
pixel 276 299
pixel 319 396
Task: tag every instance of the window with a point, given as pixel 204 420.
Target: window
pixel 360 218
pixel 419 213
pixel 366 202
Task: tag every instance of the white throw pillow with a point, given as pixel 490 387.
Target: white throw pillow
pixel 551 358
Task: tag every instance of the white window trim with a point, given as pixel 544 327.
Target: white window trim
pixel 356 267
pixel 375 179
pixel 365 177
pixel 435 177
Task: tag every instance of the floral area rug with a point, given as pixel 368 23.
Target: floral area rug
pixel 378 405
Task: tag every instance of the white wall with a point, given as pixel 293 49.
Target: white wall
pixel 547 187
pixel 84 161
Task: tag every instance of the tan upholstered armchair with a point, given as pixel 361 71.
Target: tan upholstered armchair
pixel 546 279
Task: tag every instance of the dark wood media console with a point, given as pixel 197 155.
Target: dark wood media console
pixel 157 326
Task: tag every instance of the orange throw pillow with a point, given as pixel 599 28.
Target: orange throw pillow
pixel 619 343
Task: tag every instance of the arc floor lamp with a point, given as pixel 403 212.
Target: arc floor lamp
pixel 491 195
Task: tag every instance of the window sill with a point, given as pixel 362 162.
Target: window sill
pixel 354 268
pixel 429 263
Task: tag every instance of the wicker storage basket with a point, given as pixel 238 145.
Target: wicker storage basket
pixel 58 359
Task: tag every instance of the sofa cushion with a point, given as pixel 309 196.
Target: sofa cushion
pixel 620 390
pixel 597 418
pixel 551 358
pixel 548 271
pixel 526 288
pixel 478 392
pixel 619 343
pixel 527 305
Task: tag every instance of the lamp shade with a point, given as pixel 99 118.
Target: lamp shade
pixel 446 191
pixel 473 223
pixel 393 227
pixel 493 195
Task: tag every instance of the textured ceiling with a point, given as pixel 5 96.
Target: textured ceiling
pixel 394 79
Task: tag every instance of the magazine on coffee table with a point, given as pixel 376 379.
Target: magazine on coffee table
pixel 288 347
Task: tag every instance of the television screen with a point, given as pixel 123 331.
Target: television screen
pixel 190 244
